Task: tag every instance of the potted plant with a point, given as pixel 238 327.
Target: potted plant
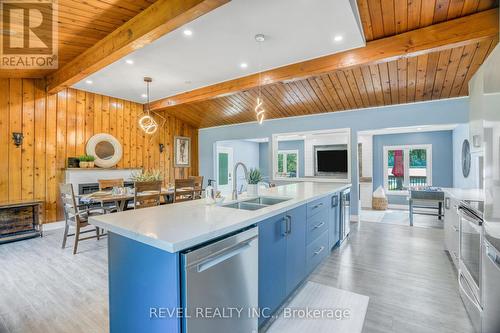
pixel 86 161
pixel 254 178
pixel 146 176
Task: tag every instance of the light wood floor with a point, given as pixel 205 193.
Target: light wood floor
pixel 405 272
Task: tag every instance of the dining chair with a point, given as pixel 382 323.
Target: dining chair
pixel 77 216
pixel 184 190
pixel 198 186
pixel 147 194
pixel 105 184
pixel 110 183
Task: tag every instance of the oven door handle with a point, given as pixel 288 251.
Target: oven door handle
pixel 471 298
pixel 462 214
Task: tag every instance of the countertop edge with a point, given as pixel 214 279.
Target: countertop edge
pixel 174 248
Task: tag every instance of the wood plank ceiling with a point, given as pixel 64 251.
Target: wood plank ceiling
pixel 436 75
pixel 81 24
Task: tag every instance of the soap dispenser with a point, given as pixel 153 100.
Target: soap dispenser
pixel 210 193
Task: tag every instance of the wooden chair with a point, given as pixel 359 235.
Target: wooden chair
pixel 76 216
pixel 184 190
pixel 198 186
pixel 110 183
pixel 142 200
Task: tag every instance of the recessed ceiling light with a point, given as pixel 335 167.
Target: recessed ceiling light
pixel 89 81
pixel 144 95
pixel 338 38
pixel 129 61
pixel 244 65
pixel 188 32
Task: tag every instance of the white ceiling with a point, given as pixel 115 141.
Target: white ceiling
pixel 295 30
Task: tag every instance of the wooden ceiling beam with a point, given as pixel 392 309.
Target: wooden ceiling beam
pixel 447 35
pixel 155 21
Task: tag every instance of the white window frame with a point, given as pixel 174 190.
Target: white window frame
pixel 286 152
pixel 406 157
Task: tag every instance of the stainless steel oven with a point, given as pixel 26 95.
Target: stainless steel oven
pixel 469 277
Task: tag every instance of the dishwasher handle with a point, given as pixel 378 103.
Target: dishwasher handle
pixel 225 255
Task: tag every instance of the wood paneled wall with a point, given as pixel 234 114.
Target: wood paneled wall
pixel 56 127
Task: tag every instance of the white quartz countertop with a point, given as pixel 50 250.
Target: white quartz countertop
pixel 179 226
pixel 465 194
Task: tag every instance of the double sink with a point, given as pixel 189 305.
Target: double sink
pixel 255 203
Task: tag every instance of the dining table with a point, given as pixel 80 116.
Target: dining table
pixel 119 200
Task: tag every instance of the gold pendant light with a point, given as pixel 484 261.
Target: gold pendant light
pixel 146 121
pixel 260 112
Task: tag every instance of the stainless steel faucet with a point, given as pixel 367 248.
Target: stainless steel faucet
pixel 235 180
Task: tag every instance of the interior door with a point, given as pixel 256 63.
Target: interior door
pixel 224 169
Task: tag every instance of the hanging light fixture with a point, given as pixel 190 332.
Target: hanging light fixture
pixel 146 121
pixel 260 112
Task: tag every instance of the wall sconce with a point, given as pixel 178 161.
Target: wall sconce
pixel 18 138
pixel 162 147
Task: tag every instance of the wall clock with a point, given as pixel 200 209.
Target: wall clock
pixel 466 159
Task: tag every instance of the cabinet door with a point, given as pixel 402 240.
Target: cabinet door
pixel 334 221
pixel 296 247
pixel 272 263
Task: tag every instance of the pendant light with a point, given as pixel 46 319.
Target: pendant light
pixel 146 121
pixel 260 112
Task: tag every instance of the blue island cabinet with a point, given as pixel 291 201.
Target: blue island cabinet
pixel 144 284
pixel 282 258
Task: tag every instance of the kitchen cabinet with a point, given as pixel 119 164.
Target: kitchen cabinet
pixel 295 248
pixel 272 263
pixel 334 221
pixel 291 245
pixel 282 257
pixel 451 227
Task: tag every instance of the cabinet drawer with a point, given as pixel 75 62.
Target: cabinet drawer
pixel 318 206
pixel 317 225
pixel 317 251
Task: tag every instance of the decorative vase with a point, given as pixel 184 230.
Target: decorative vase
pixel 253 190
pixel 83 164
pixel 90 164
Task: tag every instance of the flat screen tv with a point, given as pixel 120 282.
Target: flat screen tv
pixel 331 161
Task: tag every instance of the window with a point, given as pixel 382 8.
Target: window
pixel 288 164
pixel 407 166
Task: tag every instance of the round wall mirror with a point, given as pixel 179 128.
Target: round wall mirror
pixel 466 159
pixel 106 149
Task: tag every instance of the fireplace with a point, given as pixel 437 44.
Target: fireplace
pixel 88 188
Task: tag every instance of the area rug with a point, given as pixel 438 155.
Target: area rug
pixel 318 308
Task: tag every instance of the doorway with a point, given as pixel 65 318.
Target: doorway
pixel 224 169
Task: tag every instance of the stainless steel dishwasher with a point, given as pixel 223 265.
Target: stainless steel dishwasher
pixel 220 285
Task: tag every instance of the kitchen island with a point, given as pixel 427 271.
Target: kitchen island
pixel 145 249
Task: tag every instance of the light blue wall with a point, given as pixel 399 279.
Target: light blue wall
pixel 294 145
pixel 246 152
pixel 442 157
pixel 451 111
pixel 264 160
pixel 460 133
